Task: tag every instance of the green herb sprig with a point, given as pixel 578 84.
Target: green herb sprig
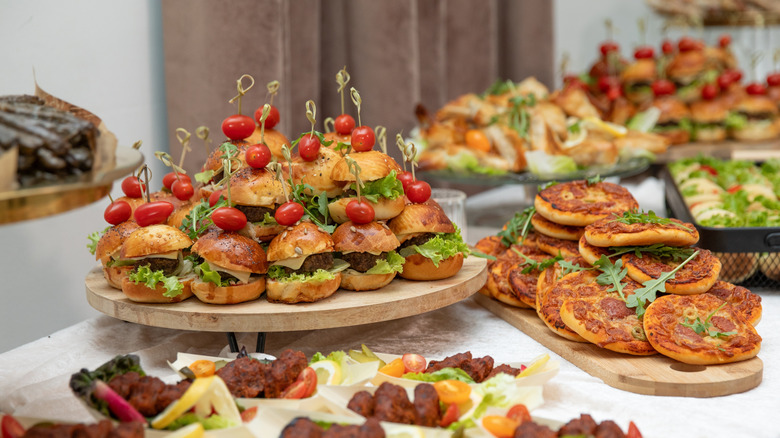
pixel 638 217
pixel 518 227
pixel 611 275
pixel 659 250
pixel 568 267
pixel 703 328
pixel 647 293
pixel 533 264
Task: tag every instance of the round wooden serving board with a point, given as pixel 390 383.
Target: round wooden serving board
pixel 399 299
pixel 649 375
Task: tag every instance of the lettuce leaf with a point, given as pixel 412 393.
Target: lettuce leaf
pixel 440 247
pixel 388 187
pixel 149 278
pixel 278 273
pixel 212 422
pixel 340 357
pixel 442 374
pixel 268 220
pixel 393 263
pixel 207 275
pixel 540 163
pixel 499 391
pixel 736 121
pixel 93 238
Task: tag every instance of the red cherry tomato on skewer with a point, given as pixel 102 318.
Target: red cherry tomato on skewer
pixel 724 80
pixel 614 92
pixel 363 139
pixel 117 212
pixel 182 189
pixel 663 87
pixel 724 40
pixel 258 156
pixel 288 213
pixel 171 177
pixel 132 187
pixel 644 52
pixel 152 213
pixel 418 192
pixel 709 91
pixel 608 46
pixel 229 218
pixel 344 124
pixel 272 119
pixel 309 147
pixel 773 80
pixel 667 47
pixel 214 197
pixel 238 127
pixel 359 212
pixel 687 44
pixel 607 82
pixel 755 89
pixel 405 178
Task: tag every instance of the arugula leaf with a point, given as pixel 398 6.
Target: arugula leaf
pixel 315 207
pixel 388 187
pixel 392 263
pixel 568 267
pixel 516 230
pixel 173 287
pixel 198 219
pixel 705 327
pixel 611 274
pixel 440 247
pixel 647 293
pixel 640 217
pixel 93 238
pixel 533 264
pixel 659 250
pixel 594 180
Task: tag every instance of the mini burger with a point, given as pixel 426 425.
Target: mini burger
pixel 303 268
pixel 317 173
pixel 753 118
pixel 637 80
pixel 107 251
pixel 687 71
pixel 430 243
pixel 370 251
pixel 709 119
pixel 273 139
pixel 212 172
pixel 257 193
pixel 383 191
pixel 231 269
pixel 674 121
pixel 160 273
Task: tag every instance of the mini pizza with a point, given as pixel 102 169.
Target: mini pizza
pixel 579 203
pixel 524 283
pixel 592 253
pixel 695 277
pixel 737 266
pixel 491 245
pixel 639 229
pixel 699 329
pixel 554 246
pixel 552 229
pixel 745 303
pixel 602 317
pixel 553 274
pixel 550 300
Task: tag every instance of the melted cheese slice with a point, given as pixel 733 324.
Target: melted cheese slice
pixel 173 255
pixel 294 263
pixel 243 276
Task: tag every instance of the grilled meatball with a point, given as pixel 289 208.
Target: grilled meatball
pixel 579 426
pixel 301 427
pixel 608 429
pixel 448 362
pixel 426 405
pixel 362 403
pixel 530 429
pixel 283 372
pixel 392 404
pixel 504 368
pixel 478 368
pixel 244 377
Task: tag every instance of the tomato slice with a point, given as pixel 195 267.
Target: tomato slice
pixel 249 414
pixel 734 189
pixel 11 427
pixel 499 426
pixel 633 431
pixel 294 391
pixel 394 369
pixel 450 416
pixel 452 391
pixel 203 368
pixel 309 378
pixel 519 413
pixel 413 363
pixel 709 169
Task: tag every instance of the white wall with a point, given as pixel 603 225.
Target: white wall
pixel 105 56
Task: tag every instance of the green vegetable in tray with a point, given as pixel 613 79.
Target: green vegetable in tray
pixel 92 387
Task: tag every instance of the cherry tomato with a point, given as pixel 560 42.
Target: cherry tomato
pixel 644 52
pixel 519 413
pixel 203 368
pixel 606 82
pixel 633 431
pixel 734 189
pixel 360 212
pixel 608 46
pixel 773 79
pixel 132 187
pixel 171 177
pixel 736 74
pixel 258 156
pixel 709 169
pixel 182 189
pixel 476 139
pixel 405 177
pixel 288 213
pixel 309 378
pixel 344 124
pixel 248 415
pixel 450 416
pixel 755 89
pixel 238 127
pixel 214 197
pixel 394 368
pixel 229 218
pixel 724 40
pixel 499 426
pixel 11 427
pixel 709 91
pixel 363 139
pixel 663 87
pixel 117 212
pixel 152 213
pixel 614 92
pixel 413 363
pixel 452 391
pixel 574 82
pixel 724 80
pixel 309 147
pixel 687 44
pixel 667 47
pixel 270 121
pixel 294 391
pixel 418 191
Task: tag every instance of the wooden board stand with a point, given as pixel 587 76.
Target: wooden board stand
pixel 649 375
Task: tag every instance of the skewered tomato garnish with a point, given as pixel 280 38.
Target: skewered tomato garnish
pixel 132 187
pixel 663 87
pixel 344 124
pixel 171 177
pixel 724 40
pixel 272 119
pixel 229 218
pixel 667 47
pixel 608 46
pixel 406 178
pixel 452 391
pixel 182 189
pixel 214 197
pixel 418 191
pixel 709 91
pixel 258 156
pixel 238 127
pixel 288 213
pixel 755 89
pixel 117 212
pixel 309 147
pixel 360 212
pixel 153 213
pixel 644 52
pixel 363 139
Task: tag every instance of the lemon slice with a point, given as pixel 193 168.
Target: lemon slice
pixel 610 128
pixel 328 372
pixel 194 430
pixel 221 401
pixel 577 137
pixel 191 396
pixel 536 366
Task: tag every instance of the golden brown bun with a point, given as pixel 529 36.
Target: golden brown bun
pixel 231 250
pixel 374 165
pixel 154 239
pixel 273 139
pixel 142 294
pixel 756 104
pixel 181 212
pixel 685 66
pixel 756 131
pixel 676 136
pixel 209 293
pixel 419 267
pixel 427 217
pixel 307 237
pixel 301 292
pixel 115 274
pixel 262 233
pixel 358 281
pixel 317 173
pixel 372 236
pixel 384 210
pixel 709 111
pixel 112 240
pixel 335 137
pixel 640 70
pixel 672 109
pixel 214 161
pixel 710 133
pixel 257 187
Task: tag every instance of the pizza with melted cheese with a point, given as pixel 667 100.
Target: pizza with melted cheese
pixel 617 230
pixel 552 229
pixel 580 203
pixel 555 246
pixel 744 302
pixel 695 277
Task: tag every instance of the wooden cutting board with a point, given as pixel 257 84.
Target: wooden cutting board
pixel 650 375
